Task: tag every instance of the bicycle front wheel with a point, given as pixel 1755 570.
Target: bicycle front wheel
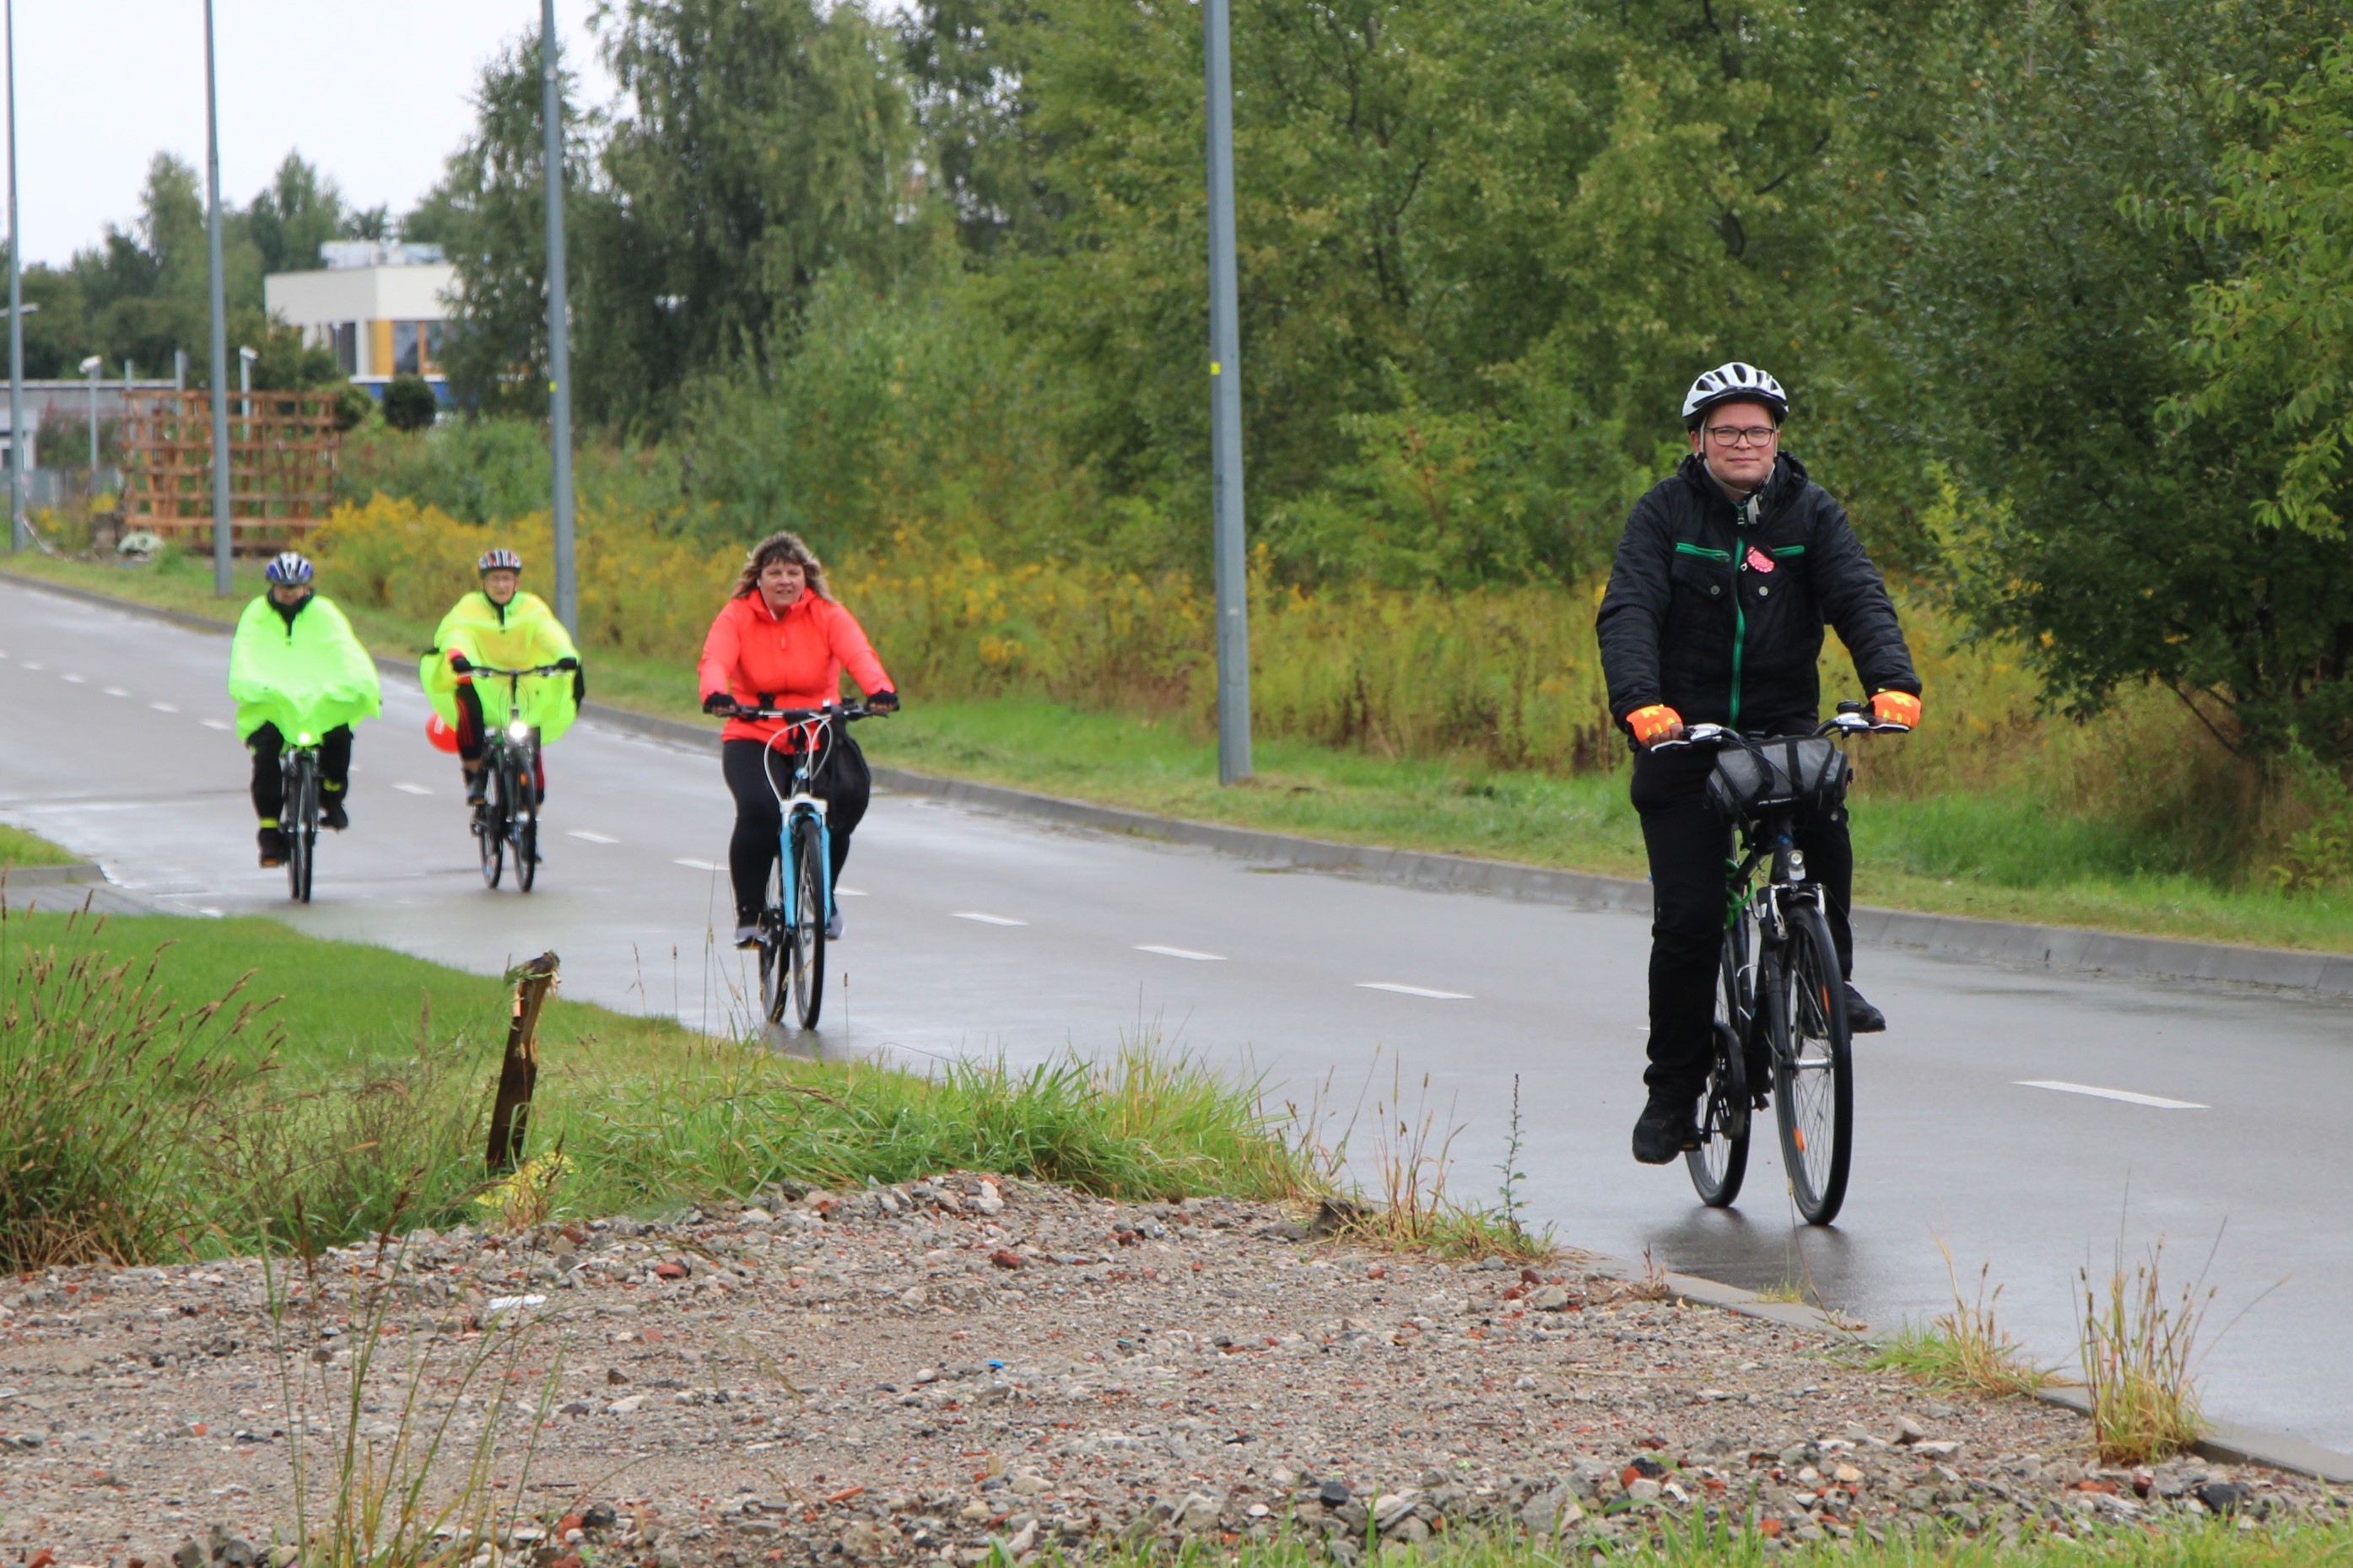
pixel 810 914
pixel 1814 1068
pixel 1720 1164
pixel 301 817
pixel 490 823
pixel 524 794
pixel 775 988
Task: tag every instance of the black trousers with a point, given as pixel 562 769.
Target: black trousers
pixel 270 786
pixel 1688 847
pixel 841 779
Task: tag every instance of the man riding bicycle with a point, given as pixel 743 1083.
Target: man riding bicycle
pixel 295 669
pixel 1725 576
pixel 499 626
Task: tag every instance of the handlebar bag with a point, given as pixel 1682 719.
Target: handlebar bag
pixel 1809 774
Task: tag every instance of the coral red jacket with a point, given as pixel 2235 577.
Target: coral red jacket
pixel 793 660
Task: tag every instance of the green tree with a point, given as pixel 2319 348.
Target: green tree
pixel 299 211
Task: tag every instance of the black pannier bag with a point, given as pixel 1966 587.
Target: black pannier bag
pixel 1809 774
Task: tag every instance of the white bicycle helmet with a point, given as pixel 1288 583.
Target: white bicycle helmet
pixel 1731 382
pixel 499 561
pixel 291 566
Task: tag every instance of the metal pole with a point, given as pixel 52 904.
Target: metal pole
pixel 559 346
pixel 93 427
pixel 1231 557
pixel 221 541
pixel 19 534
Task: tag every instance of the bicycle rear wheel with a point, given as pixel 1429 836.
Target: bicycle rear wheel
pixel 1720 1164
pixel 1814 1068
pixel 525 793
pixel 775 991
pixel 810 914
pixel 299 815
pixel 489 821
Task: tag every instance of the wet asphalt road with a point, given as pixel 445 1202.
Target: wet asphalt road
pixel 978 934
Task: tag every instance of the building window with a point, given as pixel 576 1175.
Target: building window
pixel 436 339
pixel 344 339
pixel 405 356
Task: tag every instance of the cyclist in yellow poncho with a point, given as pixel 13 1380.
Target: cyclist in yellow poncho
pixel 298 674
pixel 499 626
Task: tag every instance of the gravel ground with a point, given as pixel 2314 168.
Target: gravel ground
pixel 913 1372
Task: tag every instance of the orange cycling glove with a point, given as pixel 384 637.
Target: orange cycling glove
pixel 1897 707
pixel 1653 724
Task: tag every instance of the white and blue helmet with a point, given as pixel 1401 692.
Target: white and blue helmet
pixel 289 567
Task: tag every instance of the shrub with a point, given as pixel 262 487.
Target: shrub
pixel 410 405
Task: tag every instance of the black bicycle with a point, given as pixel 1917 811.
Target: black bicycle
pixel 1781 1034
pixel 298 814
pixel 507 817
pixel 798 904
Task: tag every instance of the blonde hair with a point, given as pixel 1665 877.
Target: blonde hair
pixel 782 547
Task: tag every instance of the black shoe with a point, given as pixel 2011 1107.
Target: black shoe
pixel 1861 1017
pixel 1669 1125
pixel 478 784
pixel 332 814
pixel 273 847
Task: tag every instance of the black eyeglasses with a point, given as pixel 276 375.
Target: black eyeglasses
pixel 1742 436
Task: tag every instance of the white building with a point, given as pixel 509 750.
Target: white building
pixel 382 307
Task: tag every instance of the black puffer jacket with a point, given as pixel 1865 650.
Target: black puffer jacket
pixel 1721 617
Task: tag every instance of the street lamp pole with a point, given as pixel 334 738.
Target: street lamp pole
pixel 1230 556
pixel 559 346
pixel 19 535
pixel 91 367
pixel 221 539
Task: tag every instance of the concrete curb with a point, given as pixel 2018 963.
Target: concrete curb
pixel 2225 1442
pixel 1956 936
pixel 50 876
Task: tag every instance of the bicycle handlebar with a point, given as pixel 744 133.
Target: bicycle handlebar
pixel 1724 735
pixel 848 712
pixel 536 669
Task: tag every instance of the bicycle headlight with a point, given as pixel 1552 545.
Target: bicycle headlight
pixel 518 731
pixel 303 739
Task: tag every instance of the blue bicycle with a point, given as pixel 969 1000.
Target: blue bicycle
pixel 799 899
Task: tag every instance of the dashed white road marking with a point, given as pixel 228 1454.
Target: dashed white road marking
pixel 30 665
pixel 1180 952
pixel 164 707
pixel 215 724
pixel 1414 991
pixel 849 892
pixel 2155 1101
pixel 116 691
pixel 700 865
pixel 988 919
pixel 412 789
pixel 586 837
pixel 73 680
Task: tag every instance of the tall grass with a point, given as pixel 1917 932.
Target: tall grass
pixel 2139 1346
pixel 1964 1350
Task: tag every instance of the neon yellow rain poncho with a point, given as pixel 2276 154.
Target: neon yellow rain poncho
pixel 305 674
pixel 523 634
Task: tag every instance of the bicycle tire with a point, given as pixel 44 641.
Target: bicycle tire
pixel 809 918
pixel 526 824
pixel 1720 1164
pixel 310 820
pixel 1814 1068
pixel 774 990
pixel 489 822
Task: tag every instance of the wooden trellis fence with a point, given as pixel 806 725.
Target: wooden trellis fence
pixel 282 453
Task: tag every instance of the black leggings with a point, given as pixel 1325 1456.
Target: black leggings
pixel 841 781
pixel 270 786
pixel 1688 845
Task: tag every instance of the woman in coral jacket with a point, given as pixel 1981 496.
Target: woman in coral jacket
pixel 783 642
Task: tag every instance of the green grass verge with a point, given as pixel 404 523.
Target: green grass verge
pixel 1995 857
pixel 169 1086
pixel 18 847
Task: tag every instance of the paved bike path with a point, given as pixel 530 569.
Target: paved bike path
pixel 978 933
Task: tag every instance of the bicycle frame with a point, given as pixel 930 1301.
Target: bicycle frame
pixel 801 802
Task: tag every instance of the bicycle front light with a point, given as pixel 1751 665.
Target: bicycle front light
pixel 518 731
pixel 303 740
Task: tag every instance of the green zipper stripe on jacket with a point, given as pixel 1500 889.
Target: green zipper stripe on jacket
pixel 1739 620
pixel 1791 550
pixel 1702 550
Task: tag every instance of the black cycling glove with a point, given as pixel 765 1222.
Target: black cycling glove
pixel 459 663
pixel 883 702
pixel 719 702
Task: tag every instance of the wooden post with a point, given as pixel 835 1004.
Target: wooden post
pixel 511 1117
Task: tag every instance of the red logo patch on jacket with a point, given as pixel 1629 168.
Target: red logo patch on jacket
pixel 1758 561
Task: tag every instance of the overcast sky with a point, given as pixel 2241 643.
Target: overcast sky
pixel 372 91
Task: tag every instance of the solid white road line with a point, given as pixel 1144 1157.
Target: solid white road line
pixel 585 837
pixel 1180 952
pixel 1414 991
pixel 988 919
pixel 699 865
pixel 163 707
pixel 412 789
pixel 2156 1101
